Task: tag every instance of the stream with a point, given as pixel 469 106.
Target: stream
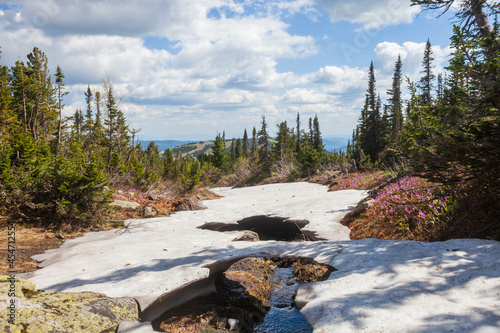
pixel 283 316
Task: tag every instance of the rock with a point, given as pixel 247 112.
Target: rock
pixel 234 324
pixel 40 311
pixel 248 236
pixel 150 211
pixel 122 204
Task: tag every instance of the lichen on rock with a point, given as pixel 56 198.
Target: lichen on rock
pixel 40 311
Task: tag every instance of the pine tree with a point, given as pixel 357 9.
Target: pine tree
pixel 298 145
pixel 244 151
pixel 237 149
pixel 60 93
pixel 395 106
pixel 370 142
pixel 219 153
pixel 426 84
pixel 254 144
pixel 317 141
pixel 42 114
pixel 263 141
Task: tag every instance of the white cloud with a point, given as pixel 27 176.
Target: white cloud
pixel 411 55
pixel 370 14
pixel 339 79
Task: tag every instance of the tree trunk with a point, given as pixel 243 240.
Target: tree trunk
pixel 480 18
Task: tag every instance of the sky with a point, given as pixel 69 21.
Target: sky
pixel 189 69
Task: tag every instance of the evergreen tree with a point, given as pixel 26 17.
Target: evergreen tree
pixel 395 105
pixel 426 84
pixel 244 151
pixel 219 153
pixel 60 93
pixel 237 149
pixel 317 141
pixel 298 145
pixel 263 141
pixel 254 144
pixel 370 141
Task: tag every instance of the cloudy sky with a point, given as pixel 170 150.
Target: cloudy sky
pixel 187 69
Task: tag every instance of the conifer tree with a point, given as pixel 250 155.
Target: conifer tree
pixel 60 93
pixel 237 149
pixel 244 151
pixel 317 141
pixel 395 105
pixel 263 141
pixel 298 145
pixel 254 144
pixel 426 84
pixel 370 142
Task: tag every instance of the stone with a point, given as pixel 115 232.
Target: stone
pixel 248 236
pixel 40 311
pixel 122 204
pixel 150 211
pixel 234 324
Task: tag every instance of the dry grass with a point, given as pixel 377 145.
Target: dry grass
pixel 28 242
pixel 31 240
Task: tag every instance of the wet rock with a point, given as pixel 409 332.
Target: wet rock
pixel 150 211
pixel 39 311
pixel 234 324
pixel 122 204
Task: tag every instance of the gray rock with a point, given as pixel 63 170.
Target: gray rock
pixel 150 211
pixel 122 204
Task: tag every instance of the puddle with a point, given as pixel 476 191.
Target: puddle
pixel 268 228
pixel 257 293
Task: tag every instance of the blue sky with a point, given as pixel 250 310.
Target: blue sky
pixel 187 69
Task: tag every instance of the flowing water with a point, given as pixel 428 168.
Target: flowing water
pixel 283 315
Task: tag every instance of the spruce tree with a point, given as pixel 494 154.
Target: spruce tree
pixel 298 145
pixel 426 84
pixel 263 141
pixel 370 142
pixel 244 151
pixel 254 144
pixel 317 141
pixel 60 93
pixel 395 105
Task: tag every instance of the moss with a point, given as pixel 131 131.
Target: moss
pixel 39 311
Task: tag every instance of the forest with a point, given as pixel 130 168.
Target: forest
pixel 436 155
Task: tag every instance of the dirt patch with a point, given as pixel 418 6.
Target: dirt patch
pixel 28 242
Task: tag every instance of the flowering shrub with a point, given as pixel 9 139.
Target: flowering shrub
pixel 358 181
pixel 413 206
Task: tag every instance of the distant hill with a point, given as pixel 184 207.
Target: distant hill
pixel 336 144
pixel 195 148
pixel 164 144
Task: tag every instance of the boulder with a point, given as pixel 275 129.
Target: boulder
pixel 122 204
pixel 40 311
pixel 150 211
